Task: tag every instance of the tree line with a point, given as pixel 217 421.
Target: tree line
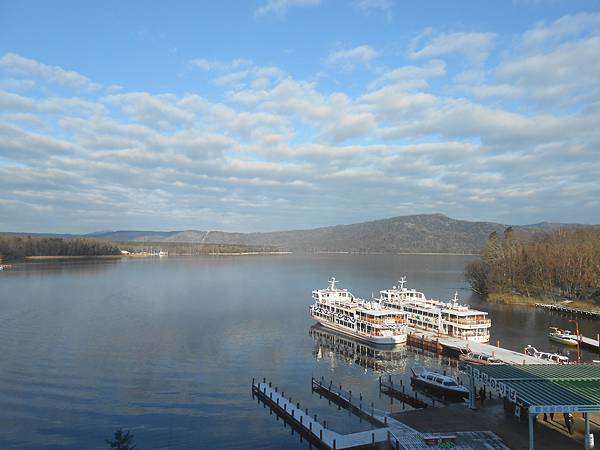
pixel 564 263
pixel 16 246
pixel 195 249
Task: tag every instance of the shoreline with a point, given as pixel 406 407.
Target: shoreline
pixel 80 257
pixel 512 299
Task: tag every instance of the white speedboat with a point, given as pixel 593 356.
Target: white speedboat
pixel 440 385
pixel 368 320
pixel 564 337
pixel 545 356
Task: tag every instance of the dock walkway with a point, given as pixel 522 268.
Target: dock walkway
pixel 456 345
pixel 393 433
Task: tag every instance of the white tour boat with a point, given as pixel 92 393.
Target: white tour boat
pixel 370 321
pixel 448 318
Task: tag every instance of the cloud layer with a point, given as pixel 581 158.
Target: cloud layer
pixel 458 125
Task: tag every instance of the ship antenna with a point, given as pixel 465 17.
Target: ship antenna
pixel 332 281
pixel 402 280
pixel 455 296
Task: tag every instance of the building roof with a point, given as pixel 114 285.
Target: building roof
pixel 545 388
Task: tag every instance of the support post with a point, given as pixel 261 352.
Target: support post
pixel 588 438
pixel 472 402
pixel 531 431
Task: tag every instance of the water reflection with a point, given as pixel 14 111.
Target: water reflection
pixel 328 343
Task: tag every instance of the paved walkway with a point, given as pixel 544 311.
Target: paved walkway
pixel 551 435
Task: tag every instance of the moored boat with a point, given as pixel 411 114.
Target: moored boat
pixel 480 359
pixel 447 318
pixel 440 385
pixel 545 356
pixel 369 321
pixel 561 336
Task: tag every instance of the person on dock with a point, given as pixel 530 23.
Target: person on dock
pixel 569 422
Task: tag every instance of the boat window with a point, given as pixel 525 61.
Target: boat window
pixel 439 380
pixel 449 383
pixel 430 377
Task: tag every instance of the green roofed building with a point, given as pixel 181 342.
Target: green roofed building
pixel 543 389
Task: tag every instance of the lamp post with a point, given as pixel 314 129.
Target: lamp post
pixel 576 322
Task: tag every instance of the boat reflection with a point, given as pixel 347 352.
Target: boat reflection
pixel 329 344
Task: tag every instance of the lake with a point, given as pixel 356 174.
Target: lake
pixel 167 348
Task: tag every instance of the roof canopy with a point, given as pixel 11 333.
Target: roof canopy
pixel 545 388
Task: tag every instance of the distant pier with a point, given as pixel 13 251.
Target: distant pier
pixel 567 310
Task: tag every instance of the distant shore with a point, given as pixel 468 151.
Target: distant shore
pixel 514 299
pixel 43 257
pixel 133 255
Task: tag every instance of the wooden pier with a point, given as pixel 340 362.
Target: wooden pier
pixel 567 310
pixel 393 434
pixel 456 346
pixel 589 343
pixel 343 398
pixel 388 388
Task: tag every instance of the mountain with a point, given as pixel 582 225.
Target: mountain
pixel 425 233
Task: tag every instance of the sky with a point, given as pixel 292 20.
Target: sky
pixel 285 114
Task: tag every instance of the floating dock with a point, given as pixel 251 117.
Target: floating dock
pixel 398 392
pixel 343 398
pixel 393 434
pixel 565 309
pixel 589 343
pixel 429 340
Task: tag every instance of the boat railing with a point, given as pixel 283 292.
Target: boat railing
pixel 382 321
pixel 470 322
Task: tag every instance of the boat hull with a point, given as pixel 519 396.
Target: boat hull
pixel 478 362
pixel 380 340
pixel 438 391
pixel 563 341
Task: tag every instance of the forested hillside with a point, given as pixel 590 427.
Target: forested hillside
pixel 419 233
pixel 560 264
pixel 14 246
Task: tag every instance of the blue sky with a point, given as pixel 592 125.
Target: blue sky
pixel 280 114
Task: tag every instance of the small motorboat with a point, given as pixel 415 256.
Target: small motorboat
pixel 545 356
pixel 561 336
pixel 480 359
pixel 440 385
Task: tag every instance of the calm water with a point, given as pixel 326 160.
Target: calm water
pixel 168 348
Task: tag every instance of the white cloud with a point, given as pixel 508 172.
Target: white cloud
pixel 14 63
pixel 560 75
pixel 566 26
pixel 474 46
pixel 367 6
pixel 418 74
pixel 280 7
pixel 349 58
pixel 159 111
pixel 214 65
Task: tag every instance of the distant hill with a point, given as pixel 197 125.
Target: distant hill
pixel 425 233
